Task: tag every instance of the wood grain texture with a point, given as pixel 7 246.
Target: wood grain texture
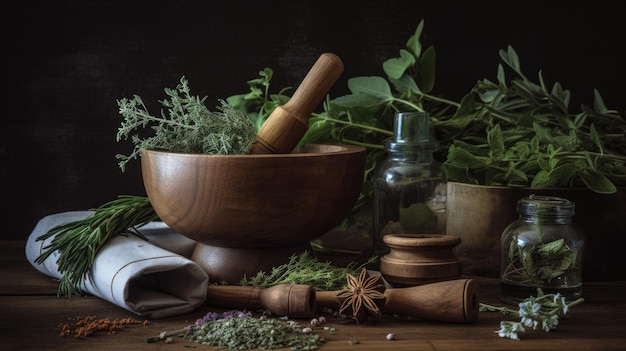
pixel 31 312
pixel 287 124
pixel 254 201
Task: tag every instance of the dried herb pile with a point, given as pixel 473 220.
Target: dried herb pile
pixel 239 330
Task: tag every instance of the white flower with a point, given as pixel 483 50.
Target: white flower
pixel 529 322
pixel 550 323
pixel 560 301
pixel 510 329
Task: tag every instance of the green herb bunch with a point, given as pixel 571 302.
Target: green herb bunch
pixel 514 133
pixel 78 242
pixel 523 135
pixel 304 268
pixel 188 126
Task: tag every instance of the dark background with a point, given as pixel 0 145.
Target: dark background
pixel 68 61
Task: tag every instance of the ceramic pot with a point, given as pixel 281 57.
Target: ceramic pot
pixel 479 214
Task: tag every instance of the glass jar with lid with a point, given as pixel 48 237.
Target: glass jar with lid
pixel 543 249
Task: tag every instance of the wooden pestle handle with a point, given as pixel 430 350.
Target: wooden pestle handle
pixel 292 300
pixel 287 124
pixel 454 301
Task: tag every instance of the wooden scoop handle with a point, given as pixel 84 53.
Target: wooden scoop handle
pixel 287 124
pixel 454 301
pixel 292 300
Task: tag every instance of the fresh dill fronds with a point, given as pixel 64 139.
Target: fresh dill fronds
pixel 306 269
pixel 185 125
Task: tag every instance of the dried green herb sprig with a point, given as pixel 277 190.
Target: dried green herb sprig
pixel 539 263
pixel 188 126
pixel 306 269
pixel 79 242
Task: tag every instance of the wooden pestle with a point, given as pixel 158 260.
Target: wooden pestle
pixel 454 301
pixel 287 124
pixel 292 300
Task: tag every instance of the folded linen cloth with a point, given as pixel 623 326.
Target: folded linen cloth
pixel 154 278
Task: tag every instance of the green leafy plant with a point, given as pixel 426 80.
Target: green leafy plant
pixel 514 133
pixel 188 126
pixel 527 137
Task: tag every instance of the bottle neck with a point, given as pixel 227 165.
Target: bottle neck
pixel 412 156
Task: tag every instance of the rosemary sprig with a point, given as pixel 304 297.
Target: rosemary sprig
pixel 79 242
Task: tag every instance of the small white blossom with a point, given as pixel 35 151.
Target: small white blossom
pixel 550 323
pixel 509 329
pixel 541 312
pixel 560 301
pixel 529 322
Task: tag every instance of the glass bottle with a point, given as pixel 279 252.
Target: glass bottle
pixel 409 185
pixel 543 249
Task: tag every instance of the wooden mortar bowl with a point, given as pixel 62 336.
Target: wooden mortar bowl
pixel 254 201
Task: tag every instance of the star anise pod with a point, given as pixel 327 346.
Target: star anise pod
pixel 362 298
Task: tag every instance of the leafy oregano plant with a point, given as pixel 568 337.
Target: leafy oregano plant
pixel 522 134
pixel 513 132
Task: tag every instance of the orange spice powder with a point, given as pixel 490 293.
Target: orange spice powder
pixel 82 327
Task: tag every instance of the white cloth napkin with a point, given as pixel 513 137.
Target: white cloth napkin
pixel 154 278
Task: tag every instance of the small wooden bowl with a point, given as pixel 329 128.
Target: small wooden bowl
pixel 416 259
pixel 254 201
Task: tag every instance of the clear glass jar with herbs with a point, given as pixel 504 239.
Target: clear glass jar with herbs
pixel 543 249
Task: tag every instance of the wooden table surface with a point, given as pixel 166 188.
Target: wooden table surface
pixel 30 313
